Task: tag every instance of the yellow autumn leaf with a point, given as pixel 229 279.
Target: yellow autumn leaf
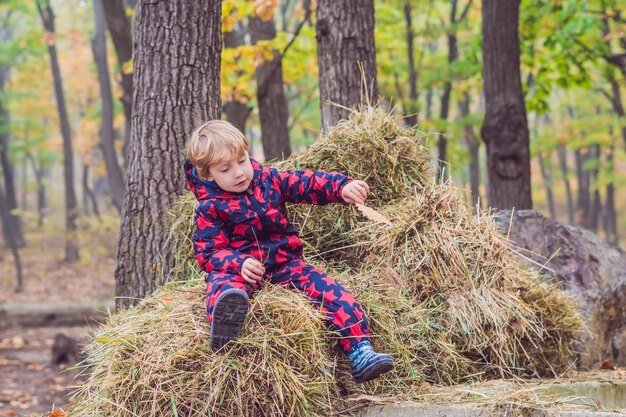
pixel 127 67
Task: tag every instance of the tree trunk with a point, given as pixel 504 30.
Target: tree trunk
pixel 271 95
pixel 610 214
pixel 71 207
pixel 107 133
pixel 595 208
pixel 177 87
pixel 584 199
pixel 5 161
pixel 562 152
pixel 547 181
pixel 505 128
pixel 24 184
pixel 237 112
pixel 453 54
pixel 10 235
pixel 91 198
pixel 42 201
pixel 618 106
pixel 411 108
pixel 345 44
pixel 473 144
pixel 119 28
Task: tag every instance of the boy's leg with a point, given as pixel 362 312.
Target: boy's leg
pixel 227 305
pixel 343 312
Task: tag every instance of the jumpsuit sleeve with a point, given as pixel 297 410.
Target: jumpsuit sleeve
pixel 212 245
pixel 311 187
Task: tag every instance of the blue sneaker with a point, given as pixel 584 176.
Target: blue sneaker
pixel 366 363
pixel 229 314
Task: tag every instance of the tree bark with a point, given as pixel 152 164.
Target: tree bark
pixel 107 132
pixel 562 152
pixel 473 144
pixel 584 199
pixel 237 112
pixel 453 54
pixel 596 205
pixel 10 235
pixel 177 87
pixel 610 214
pixel 411 108
pixel 5 161
pixel 90 196
pixel 71 207
pixel 271 94
pixel 345 43
pixel 505 127
pixel 42 200
pixel 120 30
pixel 547 181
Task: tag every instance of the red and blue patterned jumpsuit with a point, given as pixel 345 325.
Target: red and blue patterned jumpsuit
pixel 234 226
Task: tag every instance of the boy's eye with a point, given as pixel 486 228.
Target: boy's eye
pixel 242 161
pixel 224 170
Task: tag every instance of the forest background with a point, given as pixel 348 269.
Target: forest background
pixel 429 70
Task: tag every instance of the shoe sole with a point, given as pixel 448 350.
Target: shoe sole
pixel 229 314
pixel 374 370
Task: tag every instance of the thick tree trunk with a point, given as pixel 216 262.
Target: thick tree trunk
pixel 345 43
pixel 120 30
pixel 177 87
pixel 9 230
pixel 473 144
pixel 271 95
pixel 562 152
pixel 107 133
pixel 547 182
pixel 237 112
pixel 505 128
pixel 411 108
pixel 71 207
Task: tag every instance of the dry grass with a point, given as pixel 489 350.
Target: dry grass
pixel 443 289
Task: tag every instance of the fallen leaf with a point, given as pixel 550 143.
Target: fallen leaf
pixel 57 413
pixel 607 364
pixel 372 214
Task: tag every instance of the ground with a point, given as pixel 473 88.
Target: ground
pixel 30 385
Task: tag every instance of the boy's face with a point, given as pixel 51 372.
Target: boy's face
pixel 232 173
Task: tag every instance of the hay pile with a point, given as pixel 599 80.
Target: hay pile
pixel 442 288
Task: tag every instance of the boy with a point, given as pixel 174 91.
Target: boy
pixel 243 238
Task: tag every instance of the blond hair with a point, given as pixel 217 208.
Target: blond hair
pixel 213 141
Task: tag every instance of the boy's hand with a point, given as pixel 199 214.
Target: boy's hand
pixel 355 192
pixel 252 270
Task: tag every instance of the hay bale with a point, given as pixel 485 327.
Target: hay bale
pixel 372 146
pixel 441 287
pixel 155 360
pixel 497 311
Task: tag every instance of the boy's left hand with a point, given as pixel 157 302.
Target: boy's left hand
pixel 355 192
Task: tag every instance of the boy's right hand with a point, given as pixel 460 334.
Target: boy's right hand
pixel 252 270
